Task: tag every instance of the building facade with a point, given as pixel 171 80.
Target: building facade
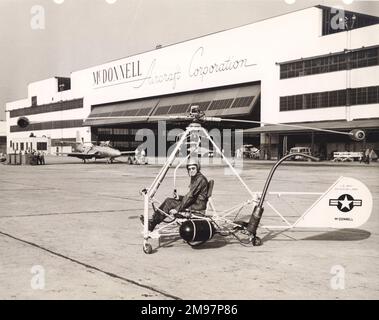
pixel 315 66
pixel 3 137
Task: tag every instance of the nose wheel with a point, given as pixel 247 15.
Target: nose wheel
pixel 147 248
pixel 256 241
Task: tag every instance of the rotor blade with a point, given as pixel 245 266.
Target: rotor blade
pixel 288 125
pixel 141 117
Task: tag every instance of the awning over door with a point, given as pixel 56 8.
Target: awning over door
pixel 140 108
pixel 221 102
pixel 224 102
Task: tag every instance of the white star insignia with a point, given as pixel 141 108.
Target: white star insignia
pixel 345 203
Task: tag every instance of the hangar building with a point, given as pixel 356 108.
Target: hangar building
pixel 312 67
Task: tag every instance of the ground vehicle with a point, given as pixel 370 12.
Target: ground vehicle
pixel 303 150
pixel 250 152
pixel 347 156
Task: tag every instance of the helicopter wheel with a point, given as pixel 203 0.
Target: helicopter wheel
pixel 256 241
pixel 147 248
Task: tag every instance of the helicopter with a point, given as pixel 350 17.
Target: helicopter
pixel 197 227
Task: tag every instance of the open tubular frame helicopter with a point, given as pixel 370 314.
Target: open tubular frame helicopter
pixel 330 210
pixel 197 227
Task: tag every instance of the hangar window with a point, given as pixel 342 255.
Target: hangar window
pixel 362 96
pixel 77 123
pixel 220 104
pixel 50 107
pixel 372 96
pixel 333 98
pixel 316 100
pixel 162 110
pixel 242 102
pixel 117 113
pixel 324 100
pixel 202 105
pixel 104 131
pixel 64 84
pixel 360 58
pixel 143 111
pixel 179 108
pixel 291 102
pixel 342 63
pixel 128 113
pixel 41 145
pixel 283 104
pixel 342 97
pixel 299 102
pixel 352 96
pixel 34 101
pixel 307 101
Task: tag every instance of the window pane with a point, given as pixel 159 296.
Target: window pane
pixel 352 96
pixel 362 96
pixel 315 100
pixel 324 100
pixel 341 97
pixel 372 95
pixel 307 101
pixel 299 102
pixel 333 98
pixel 283 104
pixel 291 102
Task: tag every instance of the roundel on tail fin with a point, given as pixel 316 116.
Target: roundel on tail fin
pixel 346 204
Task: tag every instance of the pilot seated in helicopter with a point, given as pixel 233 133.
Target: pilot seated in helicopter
pixel 196 199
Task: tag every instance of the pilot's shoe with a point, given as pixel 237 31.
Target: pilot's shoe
pixel 151 223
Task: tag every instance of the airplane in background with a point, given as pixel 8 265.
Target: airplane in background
pixel 103 151
pixel 87 150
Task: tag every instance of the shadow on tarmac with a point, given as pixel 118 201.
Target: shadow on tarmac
pixel 335 235
pixel 342 235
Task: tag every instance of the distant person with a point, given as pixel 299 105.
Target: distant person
pixel 363 157
pixel 143 155
pixel 42 157
pixel 39 161
pixel 367 156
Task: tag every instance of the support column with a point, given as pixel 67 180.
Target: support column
pixel 285 145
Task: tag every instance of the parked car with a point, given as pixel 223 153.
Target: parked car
pixel 250 152
pixel 3 157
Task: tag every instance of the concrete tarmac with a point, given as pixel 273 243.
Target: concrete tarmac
pixel 71 231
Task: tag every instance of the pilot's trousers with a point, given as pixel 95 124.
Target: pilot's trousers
pixel 166 206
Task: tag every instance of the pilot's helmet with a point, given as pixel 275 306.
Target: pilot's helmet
pixel 193 162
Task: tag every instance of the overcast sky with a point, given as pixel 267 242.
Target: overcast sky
pixel 82 33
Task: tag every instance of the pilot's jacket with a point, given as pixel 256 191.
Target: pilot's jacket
pixel 195 199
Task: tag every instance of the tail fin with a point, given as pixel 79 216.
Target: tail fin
pixel 346 204
pixel 79 142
